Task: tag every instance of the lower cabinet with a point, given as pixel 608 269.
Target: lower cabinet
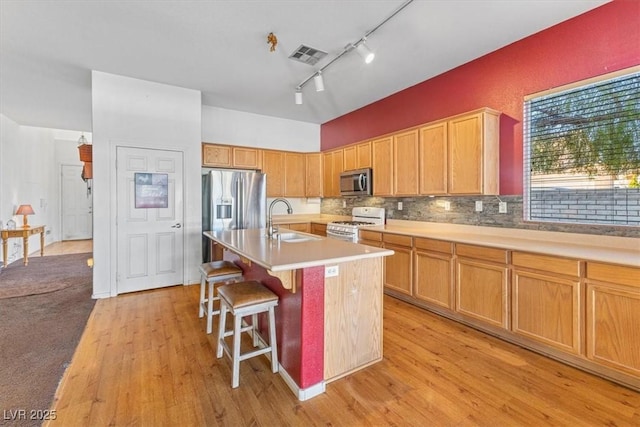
pixel 319 229
pixel 297 226
pixel 398 271
pixel 613 316
pixel 545 303
pixel 482 284
pixel 433 272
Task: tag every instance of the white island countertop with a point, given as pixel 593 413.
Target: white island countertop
pixel 281 255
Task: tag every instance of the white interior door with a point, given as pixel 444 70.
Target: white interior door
pixel 149 222
pixel 77 202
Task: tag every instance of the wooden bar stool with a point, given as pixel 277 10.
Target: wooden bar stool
pixel 241 300
pixel 211 273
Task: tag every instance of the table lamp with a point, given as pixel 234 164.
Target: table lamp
pixel 25 210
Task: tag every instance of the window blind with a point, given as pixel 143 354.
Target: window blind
pixel 582 154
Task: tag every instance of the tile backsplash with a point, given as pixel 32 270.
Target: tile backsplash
pixel 462 211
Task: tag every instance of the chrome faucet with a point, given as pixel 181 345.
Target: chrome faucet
pixel 270 229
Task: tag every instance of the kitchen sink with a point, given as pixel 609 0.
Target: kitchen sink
pixel 296 238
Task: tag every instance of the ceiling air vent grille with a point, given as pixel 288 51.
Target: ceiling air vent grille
pixel 308 55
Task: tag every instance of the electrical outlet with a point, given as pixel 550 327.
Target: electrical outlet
pixel 478 205
pixel 331 270
pixel 344 203
pixel 447 206
pixel 399 206
pixel 502 207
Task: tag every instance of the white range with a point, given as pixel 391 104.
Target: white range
pixel 360 217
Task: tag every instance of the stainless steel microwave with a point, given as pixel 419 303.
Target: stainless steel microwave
pixel 356 183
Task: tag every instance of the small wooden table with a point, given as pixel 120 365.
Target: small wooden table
pixel 24 233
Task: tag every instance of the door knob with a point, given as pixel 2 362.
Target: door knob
pixel 178 225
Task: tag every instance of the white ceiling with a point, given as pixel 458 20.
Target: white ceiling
pixel 47 49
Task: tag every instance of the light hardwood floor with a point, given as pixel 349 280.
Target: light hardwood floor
pixel 66 247
pixel 144 359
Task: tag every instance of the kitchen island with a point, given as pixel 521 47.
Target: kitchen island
pixel 329 317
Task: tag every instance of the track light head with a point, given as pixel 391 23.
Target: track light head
pixel 319 81
pixel 298 96
pixel 365 52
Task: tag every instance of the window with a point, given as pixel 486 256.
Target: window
pixel 582 153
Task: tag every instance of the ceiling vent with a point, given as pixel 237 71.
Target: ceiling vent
pixel 308 55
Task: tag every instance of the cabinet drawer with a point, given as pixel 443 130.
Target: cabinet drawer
pixel 433 245
pixel 397 239
pixel 566 266
pixel 370 235
pixel 483 253
pixel 622 275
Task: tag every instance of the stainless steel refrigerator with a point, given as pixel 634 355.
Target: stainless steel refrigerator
pixel 232 199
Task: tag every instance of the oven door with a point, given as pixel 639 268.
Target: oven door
pixel 340 235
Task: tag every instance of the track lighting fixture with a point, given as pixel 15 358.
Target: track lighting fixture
pixel 319 81
pixel 360 46
pixel 365 52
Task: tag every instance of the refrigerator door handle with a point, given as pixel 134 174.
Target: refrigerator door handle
pixel 239 203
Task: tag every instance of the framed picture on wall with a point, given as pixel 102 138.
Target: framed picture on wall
pixel 151 190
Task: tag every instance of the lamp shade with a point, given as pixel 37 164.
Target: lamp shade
pixel 25 210
pixel 365 52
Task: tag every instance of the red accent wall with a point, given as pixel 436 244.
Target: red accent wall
pixel 600 41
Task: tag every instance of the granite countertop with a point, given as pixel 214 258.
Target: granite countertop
pixel 610 249
pixel 281 255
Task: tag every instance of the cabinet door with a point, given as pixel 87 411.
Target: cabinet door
pixel 465 155
pixel 313 173
pixel 482 291
pixel 302 226
pixel 350 158
pixel 382 155
pixel 546 308
pixel 273 165
pixel 319 229
pixel 216 156
pixel 398 268
pixel 363 155
pixel 613 316
pixel 247 158
pixel 337 160
pixel 294 183
pixel 433 159
pixel 433 281
pixel 405 163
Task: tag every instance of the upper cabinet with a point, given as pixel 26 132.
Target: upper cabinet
pixel 357 156
pixel 405 163
pixel 226 156
pixel 474 153
pixel 433 159
pixel 273 164
pixel 332 166
pixel 382 155
pixel 314 172
pixel 294 173
pixel 285 173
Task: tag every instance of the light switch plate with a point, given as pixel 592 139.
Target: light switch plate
pixel 399 206
pixel 502 207
pixel 447 206
pixel 478 205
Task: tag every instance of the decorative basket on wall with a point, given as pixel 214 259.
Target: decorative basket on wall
pixel 85 152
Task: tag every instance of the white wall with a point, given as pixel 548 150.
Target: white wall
pixel 138 113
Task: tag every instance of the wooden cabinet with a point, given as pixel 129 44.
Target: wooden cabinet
pixel 398 271
pixel 482 284
pixel 319 229
pixel 546 295
pixel 296 226
pixel 294 174
pixel 474 153
pixel 432 155
pixel 405 163
pixel 333 166
pixel 273 165
pixel 313 175
pixel 613 316
pixel 433 272
pixel 226 156
pixel 371 238
pixel 382 158
pixel 357 156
